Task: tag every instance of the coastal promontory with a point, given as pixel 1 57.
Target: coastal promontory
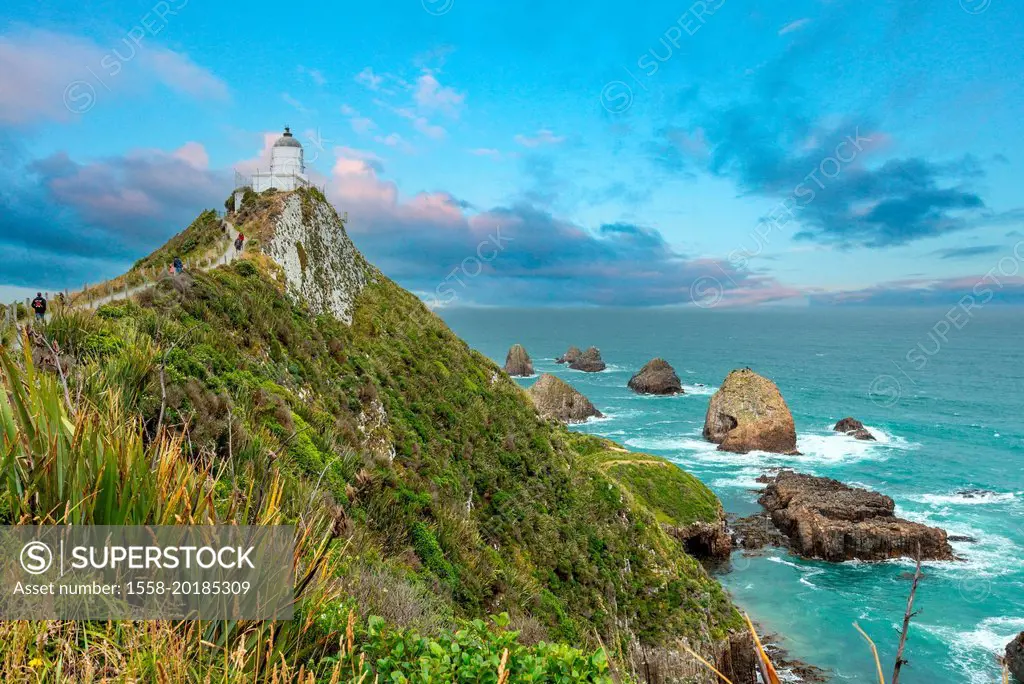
pixel 656 377
pixel 748 413
pixel 555 398
pixel 824 518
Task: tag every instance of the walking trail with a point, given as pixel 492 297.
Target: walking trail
pixel 219 256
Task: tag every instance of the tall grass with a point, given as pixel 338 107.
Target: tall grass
pixel 90 464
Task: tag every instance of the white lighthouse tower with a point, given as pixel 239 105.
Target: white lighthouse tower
pixel 287 166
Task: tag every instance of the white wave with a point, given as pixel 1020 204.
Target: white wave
pixel 974 650
pixel 741 480
pixel 960 499
pixel 989 555
pixel 699 390
pixel 806 572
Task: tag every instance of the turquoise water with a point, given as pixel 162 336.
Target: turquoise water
pixel 948 412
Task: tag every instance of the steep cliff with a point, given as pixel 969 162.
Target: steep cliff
pixel 321 265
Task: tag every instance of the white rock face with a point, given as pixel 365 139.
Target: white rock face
pixel 320 262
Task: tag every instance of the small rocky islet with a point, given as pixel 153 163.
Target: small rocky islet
pixel 518 363
pixel 748 413
pixel 656 377
pixel 854 428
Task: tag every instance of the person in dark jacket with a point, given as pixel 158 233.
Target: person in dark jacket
pixel 39 306
pixel 178 266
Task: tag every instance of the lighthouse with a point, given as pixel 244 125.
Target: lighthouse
pixel 287 166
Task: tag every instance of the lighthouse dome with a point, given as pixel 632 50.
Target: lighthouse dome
pixel 287 140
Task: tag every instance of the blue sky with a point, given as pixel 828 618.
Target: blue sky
pixel 813 152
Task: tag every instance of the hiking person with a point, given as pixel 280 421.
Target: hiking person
pixel 178 266
pixel 39 306
pixel 239 241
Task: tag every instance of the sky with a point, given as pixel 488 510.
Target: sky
pixel 720 153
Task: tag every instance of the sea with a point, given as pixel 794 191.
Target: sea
pixel 942 391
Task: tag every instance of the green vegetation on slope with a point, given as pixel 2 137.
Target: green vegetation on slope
pixel 675 496
pixel 454 500
pixel 194 242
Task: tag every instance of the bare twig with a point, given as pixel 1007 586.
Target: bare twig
pixel 906 620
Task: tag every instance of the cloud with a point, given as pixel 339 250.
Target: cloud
pixel 46 75
pixel 543 137
pixel 420 123
pixel 794 26
pixel 66 222
pixel 295 104
pixel 180 73
pixel 997 286
pixel 430 95
pixel 359 123
pixel 486 152
pixel 423 239
pixel 826 174
pixel 315 75
pixel 965 252
pixel 368 78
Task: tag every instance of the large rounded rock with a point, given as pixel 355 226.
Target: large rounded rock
pixel 657 377
pixel 589 361
pixel 570 355
pixel 854 428
pixel 518 362
pixel 1015 657
pixel 556 398
pixel 748 413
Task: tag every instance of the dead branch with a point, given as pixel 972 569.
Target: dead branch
pixel 907 616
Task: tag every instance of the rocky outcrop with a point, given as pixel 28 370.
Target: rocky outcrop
pixel 704 540
pixel 319 260
pixel 518 363
pixel 827 519
pixel 570 355
pixel 657 377
pixel 1015 657
pixel 589 361
pixel 854 428
pixel 755 532
pixel 556 398
pixel 748 413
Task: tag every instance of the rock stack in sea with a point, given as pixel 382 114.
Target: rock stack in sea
pixel 589 361
pixel 656 377
pixel 518 363
pixel 854 428
pixel 555 398
pixel 748 413
pixel 827 519
pixel 1015 657
pixel 570 355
